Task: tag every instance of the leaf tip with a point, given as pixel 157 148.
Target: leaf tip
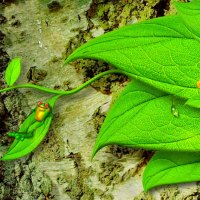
pixel 77 54
pixel 96 148
pixel 66 61
pixel 69 59
pixel 145 184
pixel 146 189
pixel 4 158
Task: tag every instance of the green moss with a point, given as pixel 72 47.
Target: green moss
pixel 110 173
pixel 108 197
pixel 144 196
pixel 52 149
pixel 61 179
pixel 77 187
pixel 54 59
pixel 46 186
pixel 113 14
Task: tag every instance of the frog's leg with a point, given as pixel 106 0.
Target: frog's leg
pixel 17 135
pixel 24 127
pixel 28 134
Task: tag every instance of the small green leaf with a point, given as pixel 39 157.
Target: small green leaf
pixel 13 71
pixel 21 148
pixel 171 168
pixel 142 117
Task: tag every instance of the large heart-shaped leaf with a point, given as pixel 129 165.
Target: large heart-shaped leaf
pixel 144 117
pixel 21 148
pixel 162 52
pixel 170 168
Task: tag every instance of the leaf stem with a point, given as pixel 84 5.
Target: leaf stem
pixel 52 91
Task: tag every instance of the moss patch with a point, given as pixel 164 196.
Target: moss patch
pixel 77 188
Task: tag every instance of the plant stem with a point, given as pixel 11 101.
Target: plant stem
pixel 52 91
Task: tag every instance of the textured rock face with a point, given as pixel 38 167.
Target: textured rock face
pixel 43 33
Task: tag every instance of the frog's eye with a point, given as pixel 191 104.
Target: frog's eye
pixel 40 103
pixel 46 105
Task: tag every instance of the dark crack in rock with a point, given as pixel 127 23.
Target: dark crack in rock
pixel 35 74
pixel 162 7
pixel 119 151
pixel 16 23
pixel 4 3
pixel 54 6
pixel 2 19
pixel 98 118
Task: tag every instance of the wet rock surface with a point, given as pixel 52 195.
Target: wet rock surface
pixel 43 34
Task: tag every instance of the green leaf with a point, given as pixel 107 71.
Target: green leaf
pixel 19 148
pixel 142 117
pixel 161 52
pixel 171 168
pixel 190 13
pixel 22 148
pixel 194 102
pixel 13 71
